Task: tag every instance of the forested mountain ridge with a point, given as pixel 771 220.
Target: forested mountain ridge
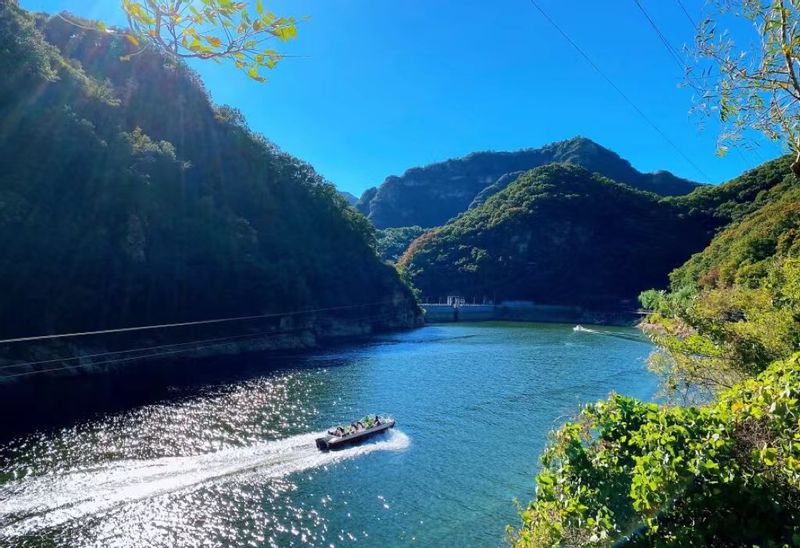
pixel 478 252
pixel 559 235
pixel 128 198
pixel 742 195
pixel 430 196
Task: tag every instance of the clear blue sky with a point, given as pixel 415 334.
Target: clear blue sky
pixel 387 85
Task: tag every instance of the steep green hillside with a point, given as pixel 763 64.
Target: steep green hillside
pixel 739 299
pixel 128 198
pixel 494 188
pixel 742 195
pixel 558 234
pixel 430 196
pixel 743 253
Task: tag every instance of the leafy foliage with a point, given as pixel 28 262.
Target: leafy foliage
pixel 752 86
pixel 735 307
pixel 217 30
pixel 723 475
pixel 560 235
pixel 211 29
pixel 127 198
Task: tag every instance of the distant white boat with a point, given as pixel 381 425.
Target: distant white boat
pixel 581 328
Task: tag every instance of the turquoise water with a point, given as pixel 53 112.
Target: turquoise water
pixel 223 454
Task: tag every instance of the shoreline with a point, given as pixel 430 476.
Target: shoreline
pixel 63 360
pixel 313 335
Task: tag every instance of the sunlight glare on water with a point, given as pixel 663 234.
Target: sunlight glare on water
pixel 231 460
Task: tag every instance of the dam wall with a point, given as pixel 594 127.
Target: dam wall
pixel 525 311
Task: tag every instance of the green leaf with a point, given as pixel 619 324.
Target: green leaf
pixel 769 456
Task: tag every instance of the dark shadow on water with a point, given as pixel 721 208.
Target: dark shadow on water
pixel 47 404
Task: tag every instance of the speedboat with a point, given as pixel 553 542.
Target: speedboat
pixel 339 437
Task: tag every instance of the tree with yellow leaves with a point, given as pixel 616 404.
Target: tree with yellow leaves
pixel 219 30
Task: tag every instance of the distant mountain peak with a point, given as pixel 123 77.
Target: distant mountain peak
pixel 431 195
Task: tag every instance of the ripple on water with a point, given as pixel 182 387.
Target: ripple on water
pixel 235 464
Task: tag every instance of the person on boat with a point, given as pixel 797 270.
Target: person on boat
pixel 339 431
pixel 377 420
pixel 359 425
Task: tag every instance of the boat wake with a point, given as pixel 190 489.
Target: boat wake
pixel 634 337
pixel 36 503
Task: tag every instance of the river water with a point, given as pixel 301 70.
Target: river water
pixel 222 453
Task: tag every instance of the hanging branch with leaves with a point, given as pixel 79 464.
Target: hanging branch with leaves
pixel 756 87
pixel 218 30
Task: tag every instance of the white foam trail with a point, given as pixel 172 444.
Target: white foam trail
pixel 624 336
pixel 51 500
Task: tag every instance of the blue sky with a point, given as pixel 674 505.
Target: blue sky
pixel 387 85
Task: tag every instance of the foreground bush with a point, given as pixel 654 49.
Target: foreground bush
pixel 727 474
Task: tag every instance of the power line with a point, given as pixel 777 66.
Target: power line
pixel 185 324
pixel 217 342
pixel 128 351
pixel 697 30
pixel 686 13
pixel 618 89
pixel 671 50
pixel 65 367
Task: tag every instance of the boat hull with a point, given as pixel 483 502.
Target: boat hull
pixel 331 443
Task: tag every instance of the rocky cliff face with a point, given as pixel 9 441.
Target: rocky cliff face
pixel 430 196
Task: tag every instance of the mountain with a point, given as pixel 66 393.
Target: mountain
pixel 349 198
pixel 362 205
pixel 558 234
pixel 494 188
pixel 127 198
pixel 430 196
